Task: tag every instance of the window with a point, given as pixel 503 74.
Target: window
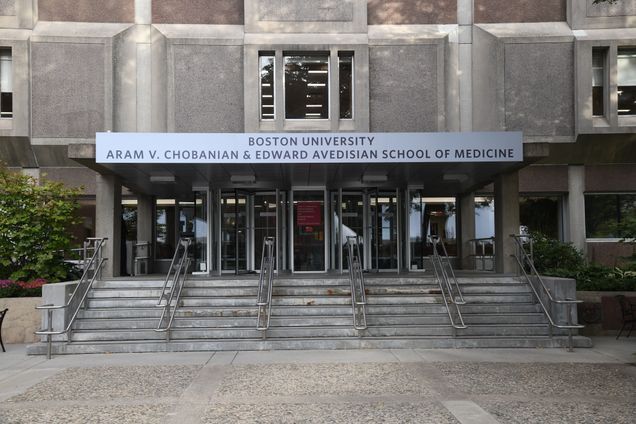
pixel 604 211
pixel 345 72
pixel 599 57
pixel 266 63
pixel 540 214
pixel 6 83
pixel 307 79
pixel 307 86
pixel 627 81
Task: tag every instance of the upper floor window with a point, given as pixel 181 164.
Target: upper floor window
pixel 6 83
pixel 603 212
pixel 307 79
pixel 626 80
pixel 599 58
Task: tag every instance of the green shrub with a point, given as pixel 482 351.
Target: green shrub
pixel 558 259
pixel 10 288
pixel 34 218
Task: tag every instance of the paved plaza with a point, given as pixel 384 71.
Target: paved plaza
pixel 596 385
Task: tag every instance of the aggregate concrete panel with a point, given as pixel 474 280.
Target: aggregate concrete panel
pixel 7 7
pixel 500 11
pixel 403 88
pixel 543 179
pixel 621 8
pixel 80 414
pixel 608 178
pixel 305 10
pixel 86 10
pixel 68 82
pixel 317 413
pixel 539 88
pixel 218 12
pixel 315 379
pixel 102 383
pixel 401 12
pixel 208 88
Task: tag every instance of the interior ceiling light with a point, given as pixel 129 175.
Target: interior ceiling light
pixel 162 179
pixel 374 178
pixel 243 179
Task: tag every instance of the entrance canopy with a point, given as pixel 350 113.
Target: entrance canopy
pixel 169 163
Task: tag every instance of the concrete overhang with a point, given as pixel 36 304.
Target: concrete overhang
pixel 595 149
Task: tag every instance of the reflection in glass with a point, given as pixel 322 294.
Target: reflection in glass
pixel 307 86
pixel 540 214
pixel 266 63
pixel 598 80
pixel 627 80
pixel 430 216
pixel 345 68
pixel 200 231
pixel 233 232
pixel 165 228
pixel 385 232
pixel 603 212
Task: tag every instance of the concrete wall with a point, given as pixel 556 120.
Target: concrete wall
pixel 68 89
pixel 21 320
pixel 584 14
pixel 402 93
pixel 608 178
pixel 208 92
pixel 610 254
pixel 539 88
pixel 217 12
pixel 7 7
pixel 499 11
pixel 397 12
pixel 544 179
pixel 86 10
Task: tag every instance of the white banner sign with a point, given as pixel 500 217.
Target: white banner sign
pixel 308 147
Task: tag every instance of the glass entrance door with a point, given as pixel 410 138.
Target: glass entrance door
pixel 347 212
pixel 308 223
pixel 234 231
pixel 265 223
pixel 384 224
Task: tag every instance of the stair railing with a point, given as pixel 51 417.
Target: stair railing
pixel 447 269
pixel 356 279
pixel 441 276
pixel 266 285
pixel 92 272
pixel 479 253
pixel 173 285
pixel 532 277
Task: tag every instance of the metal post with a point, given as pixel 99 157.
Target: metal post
pixel 50 330
pixel 570 343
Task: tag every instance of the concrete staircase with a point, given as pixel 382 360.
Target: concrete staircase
pixel 308 313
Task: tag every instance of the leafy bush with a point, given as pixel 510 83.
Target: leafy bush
pixel 557 259
pixel 10 288
pixel 34 218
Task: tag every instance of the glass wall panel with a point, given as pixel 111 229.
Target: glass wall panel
pixel 352 224
pixel 603 212
pixel 384 222
pixel 200 231
pixel 430 216
pixel 484 217
pixel 540 214
pixel 264 223
pixel 307 86
pixel 309 224
pixel 165 243
pixel 234 232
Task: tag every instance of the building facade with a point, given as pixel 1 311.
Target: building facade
pixel 560 72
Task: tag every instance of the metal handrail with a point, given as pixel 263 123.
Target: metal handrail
pixel 482 242
pixel 265 285
pixel 177 275
pixel 442 280
pixel 81 292
pixel 524 259
pixel 438 241
pixel 356 280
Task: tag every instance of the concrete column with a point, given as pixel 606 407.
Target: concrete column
pixel 143 12
pixel 145 220
pixel 466 228
pixel 506 221
pixel 576 207
pixel 108 221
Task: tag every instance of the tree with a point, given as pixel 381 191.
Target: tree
pixel 34 218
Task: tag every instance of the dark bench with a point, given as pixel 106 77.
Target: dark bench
pixel 628 311
pixel 2 314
